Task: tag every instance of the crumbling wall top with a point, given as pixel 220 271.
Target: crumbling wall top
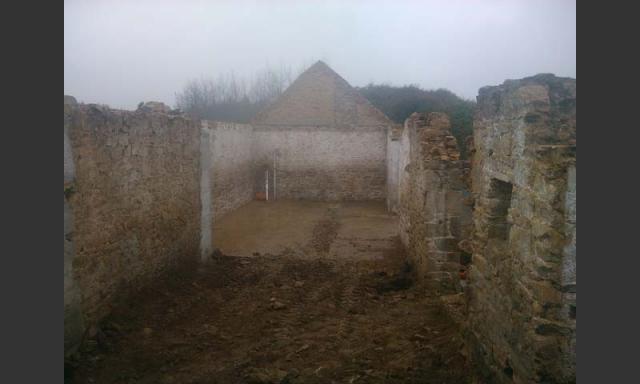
pixel 434 133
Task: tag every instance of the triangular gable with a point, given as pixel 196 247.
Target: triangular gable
pixel 321 97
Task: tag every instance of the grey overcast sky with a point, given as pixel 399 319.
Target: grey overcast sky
pixel 122 52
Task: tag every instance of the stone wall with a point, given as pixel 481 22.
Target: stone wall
pixel 404 182
pixel 132 204
pixel 433 215
pixel 394 169
pixel 522 282
pixel 322 163
pixel 73 320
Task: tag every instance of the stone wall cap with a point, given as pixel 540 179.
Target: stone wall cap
pixel 540 78
pixel 70 100
pixel 154 106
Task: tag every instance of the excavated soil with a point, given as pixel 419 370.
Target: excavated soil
pixel 280 319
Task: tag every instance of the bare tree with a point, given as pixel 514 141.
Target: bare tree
pixel 230 98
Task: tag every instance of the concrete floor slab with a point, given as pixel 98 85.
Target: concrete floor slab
pixel 348 230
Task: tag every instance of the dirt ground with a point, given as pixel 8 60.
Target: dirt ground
pixel 307 229
pixel 338 305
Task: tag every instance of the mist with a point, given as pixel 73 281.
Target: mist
pixel 121 53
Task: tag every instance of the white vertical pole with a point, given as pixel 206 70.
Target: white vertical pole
pixel 274 176
pixel 267 184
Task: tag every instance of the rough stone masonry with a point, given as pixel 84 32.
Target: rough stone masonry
pixel 522 294
pixel 434 218
pixel 501 229
pixel 132 204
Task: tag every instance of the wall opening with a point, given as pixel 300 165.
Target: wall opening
pixel 500 197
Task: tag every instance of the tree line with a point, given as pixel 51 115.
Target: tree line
pixel 398 103
pixel 236 99
pixel 232 98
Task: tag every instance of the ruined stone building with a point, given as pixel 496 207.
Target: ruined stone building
pixel 329 141
pixel 494 236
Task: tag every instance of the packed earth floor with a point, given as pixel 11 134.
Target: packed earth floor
pixel 297 293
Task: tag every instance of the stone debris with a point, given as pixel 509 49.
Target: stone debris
pixel 267 376
pixel 276 305
pixel 154 106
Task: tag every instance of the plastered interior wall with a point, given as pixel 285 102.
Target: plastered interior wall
pixel 132 202
pixel 321 163
pixel 226 176
pixel 232 160
pixel 394 170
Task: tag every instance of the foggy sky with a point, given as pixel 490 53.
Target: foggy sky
pixel 122 52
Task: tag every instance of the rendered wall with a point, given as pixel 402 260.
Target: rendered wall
pixel 226 177
pixel 394 169
pixel 522 281
pixel 322 163
pixel 132 204
pixel 231 166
